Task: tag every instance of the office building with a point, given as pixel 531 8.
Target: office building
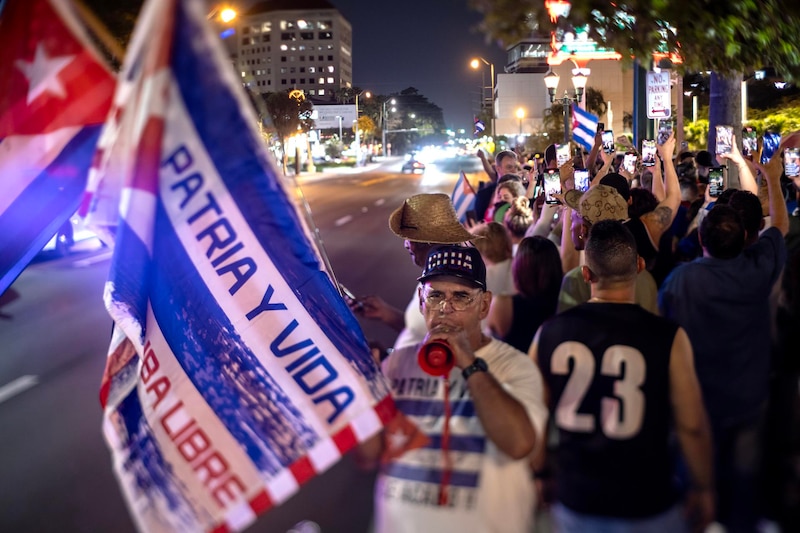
pixel 295 44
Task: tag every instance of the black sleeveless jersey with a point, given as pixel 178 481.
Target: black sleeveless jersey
pixel 607 368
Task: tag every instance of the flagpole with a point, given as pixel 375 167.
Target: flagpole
pixel 320 245
pixel 98 28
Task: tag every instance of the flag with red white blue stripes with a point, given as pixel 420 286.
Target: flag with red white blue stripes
pixel 463 197
pixel 236 372
pixel 55 93
pixel 584 127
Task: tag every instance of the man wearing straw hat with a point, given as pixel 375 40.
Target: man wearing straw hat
pixel 423 221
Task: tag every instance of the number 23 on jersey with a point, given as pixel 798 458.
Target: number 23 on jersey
pixel 620 415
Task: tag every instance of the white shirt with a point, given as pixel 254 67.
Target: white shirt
pixel 489 491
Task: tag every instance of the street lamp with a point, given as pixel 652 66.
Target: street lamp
pixel 520 116
pixel 579 82
pixel 475 63
pixel 357 141
pixel 383 124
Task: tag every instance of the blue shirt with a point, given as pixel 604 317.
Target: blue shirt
pixel 723 304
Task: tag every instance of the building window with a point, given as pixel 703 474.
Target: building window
pixel 265 38
pixel 321 92
pixel 288 36
pixel 283 70
pixel 266 27
pixel 321 81
pixel 284 47
pixel 293 81
pixel 292 70
pixel 302 58
pixel 246 41
pixel 330 58
pixel 330 80
pixel 307 35
pixel 321 58
pixel 302 80
pixel 311 70
pixel 246 30
pixel 330 68
pixel 312 92
pixel 324 24
pixel 302 69
pixel 283 81
pixel 325 35
pixel 283 59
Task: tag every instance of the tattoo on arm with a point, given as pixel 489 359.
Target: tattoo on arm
pixel 662 215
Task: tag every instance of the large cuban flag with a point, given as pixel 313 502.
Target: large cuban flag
pixel 584 127
pixel 236 372
pixel 55 94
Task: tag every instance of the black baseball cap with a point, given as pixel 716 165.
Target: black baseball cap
pixel 460 262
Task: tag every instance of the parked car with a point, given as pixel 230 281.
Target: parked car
pixel 413 166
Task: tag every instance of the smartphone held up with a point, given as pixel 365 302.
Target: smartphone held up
pixel 724 139
pixel 608 142
pixel 716 181
pixel 791 162
pixel 552 186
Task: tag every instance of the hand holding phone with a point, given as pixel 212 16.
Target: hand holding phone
pixel 582 181
pixel 724 139
pixel 749 142
pixel 629 162
pixel 716 182
pixel 664 131
pixel 351 299
pixel 791 162
pixel 648 152
pixel 552 186
pixel 608 142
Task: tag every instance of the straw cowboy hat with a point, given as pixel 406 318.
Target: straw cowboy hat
pixel 429 218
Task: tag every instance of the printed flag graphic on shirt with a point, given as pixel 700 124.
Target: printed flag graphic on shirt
pixel 463 197
pixel 55 94
pixel 236 372
pixel 584 127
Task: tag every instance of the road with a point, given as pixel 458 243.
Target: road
pixel 55 468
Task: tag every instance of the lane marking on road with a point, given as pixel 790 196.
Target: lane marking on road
pixel 342 221
pixel 18 386
pixel 379 202
pixel 373 181
pixel 92 260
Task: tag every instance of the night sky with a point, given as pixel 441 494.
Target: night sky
pixel 425 44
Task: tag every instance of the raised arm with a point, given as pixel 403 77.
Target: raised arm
pixel 487 166
pixel 747 178
pixel 772 171
pixel 592 160
pixel 660 219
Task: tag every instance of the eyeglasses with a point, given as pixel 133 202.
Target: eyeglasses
pixel 459 301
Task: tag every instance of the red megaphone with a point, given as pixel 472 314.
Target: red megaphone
pixel 436 358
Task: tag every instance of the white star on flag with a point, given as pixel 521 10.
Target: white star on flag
pixel 42 74
pixel 397 439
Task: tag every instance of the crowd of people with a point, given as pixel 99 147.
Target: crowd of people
pixel 626 358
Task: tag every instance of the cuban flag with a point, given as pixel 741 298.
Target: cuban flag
pixel 236 372
pixel 463 197
pixel 479 127
pixel 584 127
pixel 55 94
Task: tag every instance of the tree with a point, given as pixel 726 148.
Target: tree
pixel 726 37
pixel 595 101
pixel 288 116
